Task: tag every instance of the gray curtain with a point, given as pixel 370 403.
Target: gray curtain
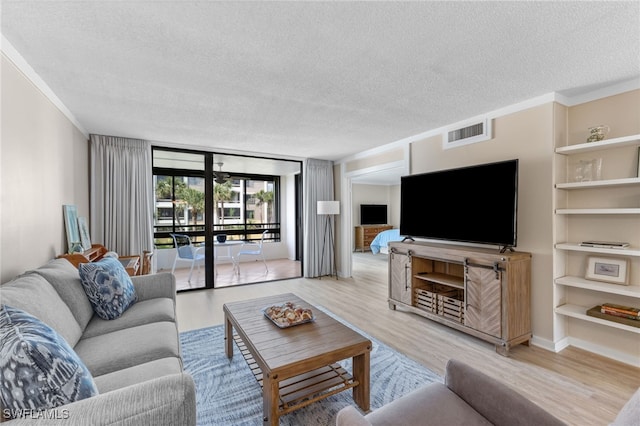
pixel 121 194
pixel 318 186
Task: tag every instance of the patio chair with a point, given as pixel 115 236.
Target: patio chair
pixel 186 252
pixel 252 249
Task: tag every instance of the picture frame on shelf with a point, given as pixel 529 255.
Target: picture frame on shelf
pixel 71 227
pixel 607 269
pixel 85 239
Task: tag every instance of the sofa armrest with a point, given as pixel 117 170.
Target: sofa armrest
pixel 168 400
pixel 350 416
pixel 495 401
pixel 162 284
pixel 629 415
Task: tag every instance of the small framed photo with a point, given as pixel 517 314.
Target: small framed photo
pixel 71 226
pixel 85 239
pixel 609 270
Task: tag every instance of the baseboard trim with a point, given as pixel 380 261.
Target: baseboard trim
pixel 549 344
pixel 605 351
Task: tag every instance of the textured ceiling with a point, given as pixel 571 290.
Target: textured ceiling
pixel 313 79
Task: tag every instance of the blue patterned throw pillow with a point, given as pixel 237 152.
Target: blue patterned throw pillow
pixel 108 287
pixel 38 368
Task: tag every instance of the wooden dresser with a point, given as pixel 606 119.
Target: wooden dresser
pixel 97 252
pixel 366 233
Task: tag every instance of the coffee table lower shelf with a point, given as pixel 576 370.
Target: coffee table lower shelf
pixel 300 391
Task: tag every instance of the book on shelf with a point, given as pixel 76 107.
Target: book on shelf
pixel 633 313
pixel 619 314
pixel 595 312
pixel 605 244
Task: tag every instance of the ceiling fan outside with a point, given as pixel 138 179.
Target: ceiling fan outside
pixel 220 176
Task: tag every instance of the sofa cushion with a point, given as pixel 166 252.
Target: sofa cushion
pixel 108 287
pixel 64 277
pixel 34 295
pixel 143 312
pixel 38 368
pixel 138 373
pixel 128 347
pixel 433 404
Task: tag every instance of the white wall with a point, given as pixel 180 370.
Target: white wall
pixel 375 194
pixel 44 165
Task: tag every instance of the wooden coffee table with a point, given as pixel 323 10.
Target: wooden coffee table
pixel 297 366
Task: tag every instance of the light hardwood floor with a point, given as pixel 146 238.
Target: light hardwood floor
pixel 576 386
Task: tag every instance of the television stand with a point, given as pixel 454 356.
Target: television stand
pixel 471 289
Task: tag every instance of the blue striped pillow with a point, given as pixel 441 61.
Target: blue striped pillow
pixel 108 287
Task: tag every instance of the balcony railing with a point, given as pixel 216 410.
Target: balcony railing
pixel 235 231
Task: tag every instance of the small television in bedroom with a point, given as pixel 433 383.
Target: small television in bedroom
pixel 475 204
pixel 373 214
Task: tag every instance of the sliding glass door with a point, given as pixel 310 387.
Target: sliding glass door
pixel 214 203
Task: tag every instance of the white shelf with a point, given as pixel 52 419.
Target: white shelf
pixel 596 146
pixel 629 251
pixel 599 183
pixel 580 312
pixel 629 210
pixel 579 282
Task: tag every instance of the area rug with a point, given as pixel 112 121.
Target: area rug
pixel 228 394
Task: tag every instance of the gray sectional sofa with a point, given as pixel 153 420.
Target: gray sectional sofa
pixel 135 360
pixel 468 397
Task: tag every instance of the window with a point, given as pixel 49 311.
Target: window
pixel 178 179
pixel 242 207
pixel 245 206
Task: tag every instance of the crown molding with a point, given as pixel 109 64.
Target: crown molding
pixel 612 90
pixel 9 52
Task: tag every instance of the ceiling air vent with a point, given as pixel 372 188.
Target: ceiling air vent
pixel 469 132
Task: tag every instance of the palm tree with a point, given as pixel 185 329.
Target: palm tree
pixel 164 191
pixel 195 199
pixel 221 193
pixel 264 197
pixel 165 184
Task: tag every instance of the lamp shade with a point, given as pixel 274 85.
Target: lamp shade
pixel 328 207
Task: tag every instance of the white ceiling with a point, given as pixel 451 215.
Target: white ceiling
pixel 313 79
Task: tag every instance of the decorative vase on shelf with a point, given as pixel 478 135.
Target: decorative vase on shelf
pixel 588 170
pixel 597 133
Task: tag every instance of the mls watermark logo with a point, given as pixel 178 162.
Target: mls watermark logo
pixel 53 414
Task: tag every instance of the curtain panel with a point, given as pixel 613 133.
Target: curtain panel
pixel 121 194
pixel 318 186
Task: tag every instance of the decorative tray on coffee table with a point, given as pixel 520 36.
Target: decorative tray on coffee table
pixel 288 314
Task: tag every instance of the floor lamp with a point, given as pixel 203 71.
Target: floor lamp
pixel 329 209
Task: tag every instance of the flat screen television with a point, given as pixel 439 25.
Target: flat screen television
pixel 373 214
pixel 476 204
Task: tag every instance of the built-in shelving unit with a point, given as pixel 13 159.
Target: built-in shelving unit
pixel 579 282
pixel 632 140
pixel 629 251
pixel 574 294
pixel 599 183
pixel 577 311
